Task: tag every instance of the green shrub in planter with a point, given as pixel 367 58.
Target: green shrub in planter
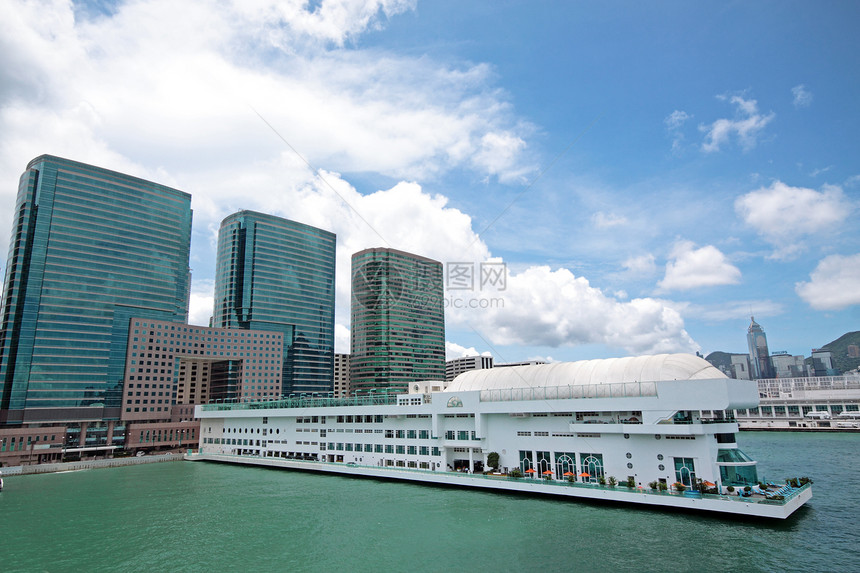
pixel 730 489
pixel 631 482
pixel 602 480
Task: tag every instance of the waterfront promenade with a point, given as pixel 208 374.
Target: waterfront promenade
pixel 89 464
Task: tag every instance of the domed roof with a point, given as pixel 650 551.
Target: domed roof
pixel 606 371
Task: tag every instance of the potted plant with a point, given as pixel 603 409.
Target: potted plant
pixel 602 480
pixel 730 489
pixel 679 487
pixel 493 460
pixel 631 482
pixel 515 473
pixel 612 482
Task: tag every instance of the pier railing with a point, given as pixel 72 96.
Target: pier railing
pixel 380 399
pixel 614 390
pixel 772 387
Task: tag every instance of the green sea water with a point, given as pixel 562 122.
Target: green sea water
pixel 184 516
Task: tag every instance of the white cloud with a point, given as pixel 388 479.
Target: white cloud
pixel 732 310
pixel 341 339
pixel 746 126
pixel 802 97
pixel 784 215
pixel 691 268
pixel 603 220
pixel 544 307
pixel 164 90
pixel 454 350
pixel 171 85
pixel 674 123
pixel 643 265
pixel 834 284
pixel 201 302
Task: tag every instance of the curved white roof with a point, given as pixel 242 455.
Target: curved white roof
pixel 631 369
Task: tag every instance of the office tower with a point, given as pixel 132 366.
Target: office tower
pixel 398 323
pixel 278 275
pixel 759 355
pixel 90 248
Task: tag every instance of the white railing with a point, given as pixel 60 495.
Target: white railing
pixel 615 390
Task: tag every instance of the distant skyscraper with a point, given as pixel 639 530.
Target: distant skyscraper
pixel 759 355
pixel 398 320
pixel 90 248
pixel 278 275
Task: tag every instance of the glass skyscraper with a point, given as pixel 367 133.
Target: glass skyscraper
pixel 759 354
pixel 397 320
pixel 90 248
pixel 278 275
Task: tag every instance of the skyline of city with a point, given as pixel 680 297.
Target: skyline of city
pixel 645 195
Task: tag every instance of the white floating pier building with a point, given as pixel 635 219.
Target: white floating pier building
pixel 660 426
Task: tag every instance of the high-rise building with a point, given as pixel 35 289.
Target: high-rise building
pixel 759 354
pixel 341 375
pixel 398 321
pixel 274 274
pixel 90 249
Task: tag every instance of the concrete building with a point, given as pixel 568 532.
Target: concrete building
pixel 741 367
pixel 457 366
pixel 398 322
pixel 787 366
pixel 822 363
pixel 341 375
pixel 274 274
pixel 170 364
pixel 90 249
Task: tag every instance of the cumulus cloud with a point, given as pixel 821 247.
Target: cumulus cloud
pixel 545 307
pixel 802 97
pixel 166 90
pixel 691 268
pixel 834 284
pixel 746 126
pixel 171 92
pixel 454 350
pixel 784 215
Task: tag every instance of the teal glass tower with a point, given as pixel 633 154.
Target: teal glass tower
pixel 397 330
pixel 278 275
pixel 90 248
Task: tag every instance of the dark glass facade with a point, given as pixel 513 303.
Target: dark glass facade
pixel 397 320
pixel 278 275
pixel 90 248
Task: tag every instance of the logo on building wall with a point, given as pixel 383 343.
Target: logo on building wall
pixel 455 402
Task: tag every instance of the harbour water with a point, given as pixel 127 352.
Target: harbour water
pixel 183 516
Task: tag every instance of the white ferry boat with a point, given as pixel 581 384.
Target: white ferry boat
pixel 821 403
pixel 625 430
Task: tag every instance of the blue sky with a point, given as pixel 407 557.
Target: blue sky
pixel 649 173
